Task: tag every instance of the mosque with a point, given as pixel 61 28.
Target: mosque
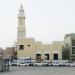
pixel 29 48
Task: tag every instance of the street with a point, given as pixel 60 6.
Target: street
pixel 40 71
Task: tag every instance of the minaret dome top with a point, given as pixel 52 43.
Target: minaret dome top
pixel 21 12
pixel 21 7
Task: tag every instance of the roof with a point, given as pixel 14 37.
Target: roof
pixel 71 35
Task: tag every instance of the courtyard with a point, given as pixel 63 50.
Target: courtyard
pixel 51 70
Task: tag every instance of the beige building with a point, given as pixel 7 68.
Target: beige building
pixel 29 48
pixel 10 52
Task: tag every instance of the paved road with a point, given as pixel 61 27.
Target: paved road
pixel 40 71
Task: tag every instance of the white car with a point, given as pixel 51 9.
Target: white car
pixel 30 62
pixel 72 64
pixel 38 63
pixel 14 63
pixel 46 62
pixel 67 64
pixel 62 63
pixel 24 64
pixel 55 63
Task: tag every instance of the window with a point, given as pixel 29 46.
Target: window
pixel 28 45
pixel 73 50
pixel 21 47
pixel 73 42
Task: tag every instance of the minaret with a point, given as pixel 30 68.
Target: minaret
pixel 21 30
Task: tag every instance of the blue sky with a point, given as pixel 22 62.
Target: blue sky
pixel 46 20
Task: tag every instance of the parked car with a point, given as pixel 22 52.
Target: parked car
pixel 46 63
pixel 23 63
pixel 50 64
pixel 38 63
pixel 72 64
pixel 62 63
pixel 13 63
pixel 66 62
pixel 30 62
pixel 55 62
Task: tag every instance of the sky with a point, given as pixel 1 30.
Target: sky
pixel 46 20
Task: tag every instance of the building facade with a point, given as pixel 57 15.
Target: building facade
pixel 69 47
pixel 9 52
pixel 29 48
pixel 1 52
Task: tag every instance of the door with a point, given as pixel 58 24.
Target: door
pixel 55 56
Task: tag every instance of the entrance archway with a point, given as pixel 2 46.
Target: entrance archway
pixel 46 56
pixel 56 56
pixel 38 57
